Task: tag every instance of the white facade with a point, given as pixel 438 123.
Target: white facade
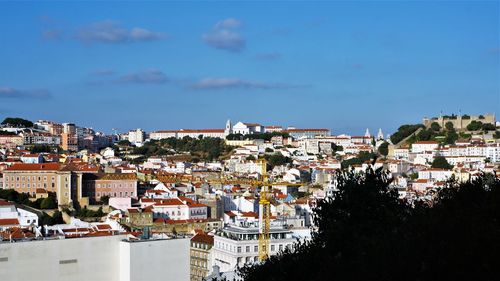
pixel 247 128
pixel 435 174
pixel 136 136
pixel 239 245
pixel 421 146
pixel 105 258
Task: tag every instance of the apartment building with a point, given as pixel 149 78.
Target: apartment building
pixel 199 254
pixel 51 177
pixel 96 186
pixel 236 246
pixel 69 138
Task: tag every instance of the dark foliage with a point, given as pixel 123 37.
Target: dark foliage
pixel 435 126
pixel 17 122
pixel 205 148
pixel 45 219
pixel 38 148
pixel 383 149
pixel 441 163
pixel 475 125
pixel 361 158
pixel 367 233
pixel 277 159
pixel 404 131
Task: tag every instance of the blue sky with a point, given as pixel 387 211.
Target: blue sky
pixel 168 65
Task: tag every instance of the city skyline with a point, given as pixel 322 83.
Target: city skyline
pixel 337 65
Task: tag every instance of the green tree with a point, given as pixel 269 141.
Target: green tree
pixel 441 163
pixel 435 127
pixel 277 159
pixel 48 203
pixel 17 122
pixel 124 143
pixel 451 137
pixel 425 135
pixel 488 127
pixel 104 200
pixel 475 125
pixel 359 234
pixel 449 126
pixel 250 158
pixel 38 148
pixel 383 149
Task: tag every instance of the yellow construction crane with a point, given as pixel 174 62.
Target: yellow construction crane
pixel 264 214
pixel 264 205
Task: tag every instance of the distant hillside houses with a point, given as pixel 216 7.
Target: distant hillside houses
pixel 242 128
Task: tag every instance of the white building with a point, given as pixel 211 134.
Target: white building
pixel 421 146
pixel 105 258
pixel 136 136
pixel 236 246
pixel 435 174
pixel 12 216
pixel 247 128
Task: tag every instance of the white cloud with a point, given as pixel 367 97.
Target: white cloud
pixel 235 83
pixel 8 92
pixel 152 76
pixel 225 36
pixel 112 32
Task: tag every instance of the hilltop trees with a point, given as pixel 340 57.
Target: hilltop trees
pixel 383 149
pixel 17 122
pixel 366 233
pixel 435 127
pixel 441 163
pixel 404 131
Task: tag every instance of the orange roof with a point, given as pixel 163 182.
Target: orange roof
pixel 9 222
pixel 201 131
pixel 203 238
pixel 5 203
pixel 35 167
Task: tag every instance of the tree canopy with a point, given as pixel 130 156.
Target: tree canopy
pixel 435 126
pixel 366 233
pixel 475 125
pixel 441 163
pixel 383 149
pixel 205 148
pixel 404 131
pixel 17 122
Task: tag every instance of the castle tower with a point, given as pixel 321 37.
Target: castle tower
pixel 367 133
pixel 380 135
pixel 229 128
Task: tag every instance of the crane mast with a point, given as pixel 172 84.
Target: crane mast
pixel 264 214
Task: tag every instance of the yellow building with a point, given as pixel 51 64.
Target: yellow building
pixel 199 256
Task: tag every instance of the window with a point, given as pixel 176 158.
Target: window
pixel 255 248
pixel 281 247
pixel 247 249
pixel 239 250
pixel 272 248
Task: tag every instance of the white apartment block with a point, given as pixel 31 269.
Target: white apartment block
pixel 421 146
pixel 136 136
pixel 236 246
pixel 435 174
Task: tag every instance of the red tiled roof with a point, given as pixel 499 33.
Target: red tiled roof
pixel 9 222
pixel 35 167
pixel 203 238
pixel 5 203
